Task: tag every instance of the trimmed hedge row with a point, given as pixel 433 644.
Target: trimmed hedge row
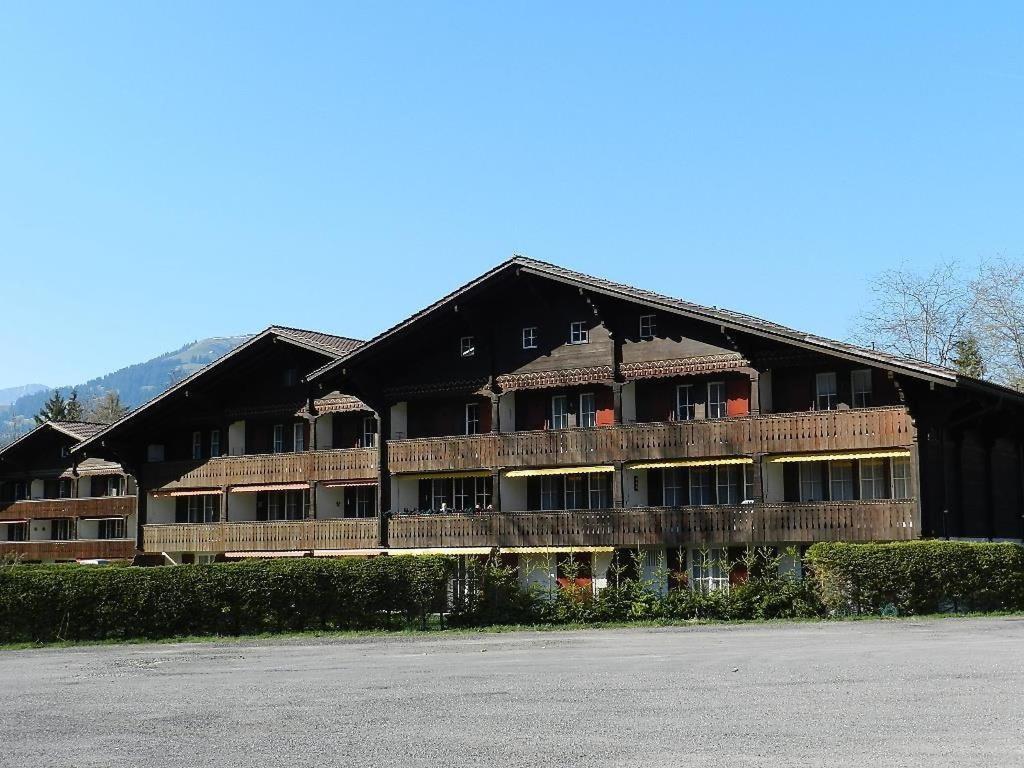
pixel 918 577
pixel 47 603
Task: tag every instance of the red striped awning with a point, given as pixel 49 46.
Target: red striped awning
pixel 347 483
pixel 189 492
pixel 271 487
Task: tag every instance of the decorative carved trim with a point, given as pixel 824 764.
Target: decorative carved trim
pixel 560 378
pixel 440 387
pixel 686 366
pixel 339 404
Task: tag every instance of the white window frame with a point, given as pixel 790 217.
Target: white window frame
pixel 471 422
pixel 706 572
pixel 578 332
pixel 574 492
pixel 298 437
pixel 597 491
pixel 277 441
pixel 364 501
pixel 831 399
pixel 214 443
pixel 872 479
pixel 587 415
pixel 841 488
pixel 717 409
pixel 438 493
pixel 467 346
pixel 112 528
pixel 197 445
pixel 900 481
pixel 482 490
pixel 530 337
pixel 672 486
pixel 462 492
pixel 860 397
pixel 563 417
pixel 810 481
pixel 648 326
pixel 684 405
pixel 66 523
pixel 369 431
pixel 730 482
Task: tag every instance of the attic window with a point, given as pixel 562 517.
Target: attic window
pixel 467 348
pixel 291 377
pixel 64 451
pixel 648 326
pixel 578 333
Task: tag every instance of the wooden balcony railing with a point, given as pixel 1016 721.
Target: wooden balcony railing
pixel 645 526
pixel 769 433
pixel 81 549
pixel 344 464
pixel 299 535
pixel 43 509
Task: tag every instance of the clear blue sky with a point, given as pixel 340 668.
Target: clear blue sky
pixel 183 171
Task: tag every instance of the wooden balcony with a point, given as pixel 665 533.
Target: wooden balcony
pixel 44 509
pixel 345 464
pixel 81 549
pixel 645 526
pixel 889 427
pixel 292 536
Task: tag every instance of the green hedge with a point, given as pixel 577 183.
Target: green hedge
pixel 918 577
pixel 61 602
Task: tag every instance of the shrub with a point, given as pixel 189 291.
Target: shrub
pixel 918 577
pixel 46 603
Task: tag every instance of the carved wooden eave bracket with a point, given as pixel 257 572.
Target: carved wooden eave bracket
pixel 339 404
pixel 684 366
pixel 459 386
pixel 558 378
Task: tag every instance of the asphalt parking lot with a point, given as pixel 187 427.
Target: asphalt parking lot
pixel 902 693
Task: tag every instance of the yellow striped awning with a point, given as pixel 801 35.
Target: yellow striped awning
pixel 189 492
pixel 692 463
pixel 559 471
pixel 348 552
pixel 899 453
pixel 445 475
pixel 553 550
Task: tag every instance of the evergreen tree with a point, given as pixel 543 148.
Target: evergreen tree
pixel 54 409
pixel 967 357
pixel 73 410
pixel 107 409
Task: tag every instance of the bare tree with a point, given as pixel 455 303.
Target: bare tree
pixel 999 298
pixel 919 315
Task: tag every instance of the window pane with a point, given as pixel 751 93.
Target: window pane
pixel 588 410
pixel 674 491
pixel 872 479
pixel 861 386
pixel 684 402
pixel 716 400
pixel 559 412
pixel 840 480
pixel 574 492
pixel 810 482
pixel 825 384
pixel 901 478
pixel 530 338
pixel 598 490
pixel 700 486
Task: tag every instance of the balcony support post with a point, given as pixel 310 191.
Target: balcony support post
pixel 496 490
pixel 495 412
pixel 140 513
pixel 311 510
pixel 224 493
pixel 617 402
pixel 755 392
pixel 383 471
pixel 618 492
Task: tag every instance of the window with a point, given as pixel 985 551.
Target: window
pixel 65 451
pixel 684 402
pixel 588 410
pixel 214 442
pixel 574 492
pixel 482 491
pixel 197 445
pixel 467 348
pixel 364 500
pixel 861 388
pixel 810 482
pixel 16 531
pixel 549 492
pixel 700 486
pixel 114 486
pixel 648 326
pixel 294 505
pixel 369 431
pixel 901 478
pixel 872 479
pixel 731 485
pixel 597 489
pixel 202 509
pixel 113 528
pixel 840 480
pixel 278 444
pixel 291 377
pixel 64 488
pixel 710 570
pixel 298 437
pixel 462 493
pixel 439 494
pixel 825 390
pixel 62 529
pixel 559 412
pixel 530 337
pixel 472 419
pixel 716 400
pixel 578 333
pixel 674 490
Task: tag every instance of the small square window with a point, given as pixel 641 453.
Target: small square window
pixel 530 337
pixel 467 348
pixel 578 333
pixel 648 326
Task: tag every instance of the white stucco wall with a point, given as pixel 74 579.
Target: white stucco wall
pixel 330 502
pixel 241 507
pixel 39 530
pixel 773 483
pixel 404 493
pixel 236 438
pixel 507 412
pixel 634 487
pixel 160 511
pixel 764 391
pixel 629 402
pixel 36 489
pixel 537 570
pixel 84 487
pixel 513 493
pixel 325 432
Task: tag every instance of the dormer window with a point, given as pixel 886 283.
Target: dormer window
pixel 467 347
pixel 578 333
pixel 530 337
pixel 648 326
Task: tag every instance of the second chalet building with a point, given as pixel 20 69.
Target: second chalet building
pixel 539 412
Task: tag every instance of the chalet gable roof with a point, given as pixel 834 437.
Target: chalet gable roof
pixel 723 317
pixel 330 346
pixel 76 430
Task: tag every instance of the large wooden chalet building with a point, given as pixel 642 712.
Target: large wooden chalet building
pixel 539 412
